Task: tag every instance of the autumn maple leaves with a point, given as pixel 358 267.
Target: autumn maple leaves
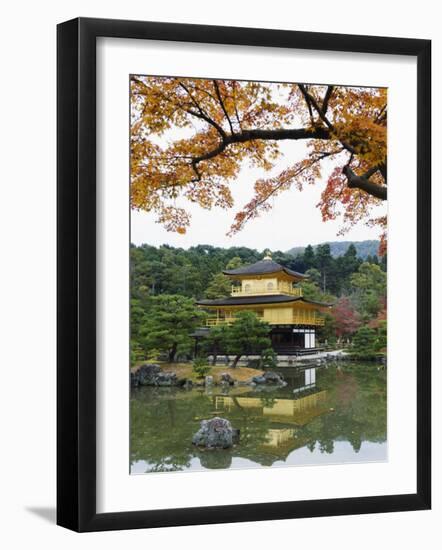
pixel 191 137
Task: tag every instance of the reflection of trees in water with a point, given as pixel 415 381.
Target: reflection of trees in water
pixel 268 401
pixel 358 398
pixel 163 420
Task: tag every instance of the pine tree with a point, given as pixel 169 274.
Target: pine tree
pixel 364 343
pixel 309 257
pixel 219 287
pixel 168 323
pixel 248 334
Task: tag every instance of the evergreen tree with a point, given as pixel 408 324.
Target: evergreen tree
pixel 311 291
pixel 215 342
pixel 168 323
pixel 219 287
pixel 346 265
pixel 381 341
pixel 234 263
pixel 314 275
pixel 309 258
pixel 372 259
pixel 248 334
pixel 297 264
pixel 327 332
pixel 325 264
pixel 370 286
pixel 364 343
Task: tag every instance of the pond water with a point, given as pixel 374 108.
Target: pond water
pixel 325 415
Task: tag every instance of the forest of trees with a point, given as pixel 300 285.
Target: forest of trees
pixel 338 248
pixel 165 281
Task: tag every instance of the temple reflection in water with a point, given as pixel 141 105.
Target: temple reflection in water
pixel 287 414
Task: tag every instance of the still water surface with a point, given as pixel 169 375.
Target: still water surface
pixel 325 415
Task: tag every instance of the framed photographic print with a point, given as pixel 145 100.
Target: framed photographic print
pixel 223 285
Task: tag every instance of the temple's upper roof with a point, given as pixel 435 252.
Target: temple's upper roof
pixel 256 300
pixel 263 267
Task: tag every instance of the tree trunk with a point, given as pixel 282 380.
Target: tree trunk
pixel 235 361
pixel 172 353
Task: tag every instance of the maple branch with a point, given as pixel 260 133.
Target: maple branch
pixel 381 115
pixel 253 207
pixel 210 154
pixel 383 171
pixel 255 134
pixel 201 113
pixel 308 97
pixel 323 117
pixel 236 108
pixel 208 120
pixel 363 182
pixel 218 93
pixel 237 116
pixel 327 97
pixel 367 175
pixel 197 172
pixel 138 81
pixel 309 106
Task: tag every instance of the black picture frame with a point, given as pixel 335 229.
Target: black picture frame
pixel 77 287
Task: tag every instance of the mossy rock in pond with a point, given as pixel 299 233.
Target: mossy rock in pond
pixel 216 433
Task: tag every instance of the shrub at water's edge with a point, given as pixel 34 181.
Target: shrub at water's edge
pixel 369 343
pixel 200 367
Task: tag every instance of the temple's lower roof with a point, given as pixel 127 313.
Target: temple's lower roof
pixel 257 300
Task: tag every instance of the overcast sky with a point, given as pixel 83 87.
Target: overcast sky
pixel 293 221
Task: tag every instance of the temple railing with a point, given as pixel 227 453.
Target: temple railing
pixel 299 317
pixel 215 321
pixel 266 289
pixel 305 317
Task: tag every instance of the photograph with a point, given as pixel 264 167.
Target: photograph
pixel 258 274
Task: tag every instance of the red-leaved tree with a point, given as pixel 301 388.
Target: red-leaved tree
pixel 347 319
